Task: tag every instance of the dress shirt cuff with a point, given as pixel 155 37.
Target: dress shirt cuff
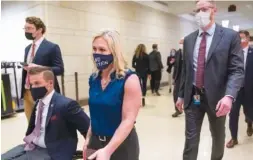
pixel 180 98
pixel 230 97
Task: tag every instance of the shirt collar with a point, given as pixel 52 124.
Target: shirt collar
pixel 39 41
pixel 46 100
pixel 246 49
pixel 210 31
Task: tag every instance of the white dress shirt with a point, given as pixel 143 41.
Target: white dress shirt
pixel 40 141
pixel 37 45
pixel 209 39
pixel 245 52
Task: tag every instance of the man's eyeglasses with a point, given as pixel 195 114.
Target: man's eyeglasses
pixel 28 28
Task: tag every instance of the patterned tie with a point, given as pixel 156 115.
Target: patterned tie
pixel 36 131
pixel 201 62
pixel 27 82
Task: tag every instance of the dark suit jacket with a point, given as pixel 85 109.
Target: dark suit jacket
pixel 178 65
pixel 248 84
pixel 141 64
pixel 65 116
pixel 155 61
pixel 224 67
pixel 48 54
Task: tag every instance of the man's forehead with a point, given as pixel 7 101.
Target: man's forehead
pixel 204 4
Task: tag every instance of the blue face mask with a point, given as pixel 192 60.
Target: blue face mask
pixel 102 61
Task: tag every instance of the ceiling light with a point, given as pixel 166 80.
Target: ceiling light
pixel 225 23
pixel 236 28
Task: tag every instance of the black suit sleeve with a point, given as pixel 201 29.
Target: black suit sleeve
pixel 159 59
pixel 235 67
pixel 77 117
pixel 134 62
pixel 183 73
pixel 57 62
pixel 175 67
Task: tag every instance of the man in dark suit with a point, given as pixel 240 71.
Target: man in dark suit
pixel 40 53
pixel 51 134
pixel 156 66
pixel 245 94
pixel 212 74
pixel 176 77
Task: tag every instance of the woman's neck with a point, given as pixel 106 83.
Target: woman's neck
pixel 106 72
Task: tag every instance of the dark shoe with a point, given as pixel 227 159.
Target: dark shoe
pixel 170 90
pixel 143 102
pixel 250 131
pixel 176 114
pixel 232 143
pixel 157 93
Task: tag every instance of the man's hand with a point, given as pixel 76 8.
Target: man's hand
pixel 179 104
pixel 224 106
pixel 100 154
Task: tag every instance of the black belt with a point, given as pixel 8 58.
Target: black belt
pixel 197 90
pixel 103 138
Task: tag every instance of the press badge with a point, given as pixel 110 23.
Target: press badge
pixel 196 99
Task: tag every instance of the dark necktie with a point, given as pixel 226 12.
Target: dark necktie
pixel 201 62
pixel 36 131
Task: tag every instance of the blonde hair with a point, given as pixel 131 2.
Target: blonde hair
pixel 112 38
pixel 140 50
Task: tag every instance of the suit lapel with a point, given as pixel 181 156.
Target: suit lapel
pixel 27 52
pixel 40 50
pixel 50 109
pixel 215 41
pixel 249 59
pixel 192 46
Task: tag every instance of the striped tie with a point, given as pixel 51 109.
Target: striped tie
pixel 201 62
pixel 36 131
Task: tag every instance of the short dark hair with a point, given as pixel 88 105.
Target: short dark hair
pixel 154 46
pixel 47 72
pixel 244 32
pixel 37 22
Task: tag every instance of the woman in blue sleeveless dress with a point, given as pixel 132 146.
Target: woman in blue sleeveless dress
pixel 114 102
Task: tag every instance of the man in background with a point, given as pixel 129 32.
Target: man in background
pixel 52 130
pixel 156 66
pixel 40 53
pixel 245 94
pixel 177 76
pixel 212 75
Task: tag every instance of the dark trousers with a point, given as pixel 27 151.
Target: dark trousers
pixel 128 150
pixel 155 80
pixel 143 80
pixel 194 115
pixel 235 112
pixel 175 92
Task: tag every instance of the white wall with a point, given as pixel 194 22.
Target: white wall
pixel 73 24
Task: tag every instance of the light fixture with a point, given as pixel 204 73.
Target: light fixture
pixel 225 23
pixel 236 28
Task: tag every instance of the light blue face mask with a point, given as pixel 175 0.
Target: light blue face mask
pixel 102 61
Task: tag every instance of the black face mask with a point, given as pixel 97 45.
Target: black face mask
pixel 29 36
pixel 38 93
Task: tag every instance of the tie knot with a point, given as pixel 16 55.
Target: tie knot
pixel 203 34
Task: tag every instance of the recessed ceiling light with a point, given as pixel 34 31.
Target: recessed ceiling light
pixel 236 28
pixel 225 23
